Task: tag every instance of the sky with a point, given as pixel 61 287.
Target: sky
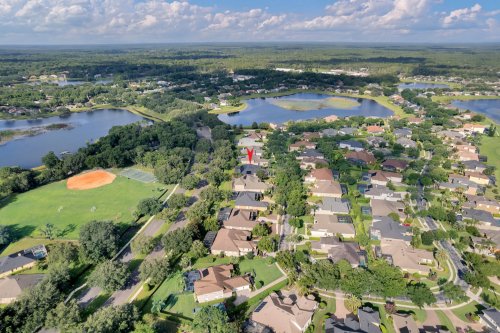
pixel 167 21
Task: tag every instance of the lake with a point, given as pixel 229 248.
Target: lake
pixel 488 107
pixel 27 152
pixel 421 85
pixel 265 110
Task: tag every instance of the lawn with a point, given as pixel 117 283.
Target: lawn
pixel 473 307
pixel 320 315
pixel 490 146
pixel 67 209
pixel 177 302
pixel 445 321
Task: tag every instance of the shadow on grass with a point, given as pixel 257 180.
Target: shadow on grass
pixel 8 200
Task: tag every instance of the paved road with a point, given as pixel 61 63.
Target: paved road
pixel 286 229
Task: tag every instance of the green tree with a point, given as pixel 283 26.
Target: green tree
pixel 98 240
pixel 268 244
pixel 143 244
pixel 198 249
pixel 157 305
pixel 63 253
pixel 148 207
pixel 178 241
pixel 260 230
pixel 211 320
pixel 296 222
pixel 177 201
pixel 420 294
pixel 50 160
pixel 5 235
pixel 156 270
pixel 119 319
pixel 190 182
pixel 453 292
pixel 109 276
pixel 65 317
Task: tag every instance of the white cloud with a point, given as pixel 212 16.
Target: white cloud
pixel 181 20
pixel 462 15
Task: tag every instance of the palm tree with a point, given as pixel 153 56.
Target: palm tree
pixel 441 257
pixel 352 303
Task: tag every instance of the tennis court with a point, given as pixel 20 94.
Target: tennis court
pixel 139 175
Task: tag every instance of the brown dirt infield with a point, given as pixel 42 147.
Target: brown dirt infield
pixel 90 180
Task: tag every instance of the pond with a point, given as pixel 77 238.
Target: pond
pixel 84 127
pixel 487 107
pixel 303 106
pixel 422 85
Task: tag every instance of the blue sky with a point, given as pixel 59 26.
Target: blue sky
pixel 145 21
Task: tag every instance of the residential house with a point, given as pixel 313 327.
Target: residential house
pixel 310 136
pixel 324 189
pixel 374 129
pixel 12 287
pixel 310 153
pixel 376 141
pixel 329 132
pixel 331 118
pixel 368 322
pixel 415 121
pixel 352 145
pixel 384 227
pixel 475 166
pixel 332 206
pixel 478 178
pixel 467 156
pixel 407 143
pixel 473 128
pixel 252 140
pixel 250 201
pixel 383 177
pixel 285 312
pixel 20 260
pixel 301 145
pixel 241 219
pixel 312 163
pixel 400 254
pixel 394 165
pixel 491 318
pixel 338 250
pixel 360 157
pixel 385 207
pixel 402 133
pixel 319 175
pixel 384 193
pixel 404 323
pixel 482 203
pixel 348 131
pixel 249 169
pixel 250 183
pixel 484 218
pixel 233 243
pixel 329 226
pixel 217 283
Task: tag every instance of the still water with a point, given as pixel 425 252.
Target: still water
pixel 86 127
pixel 262 110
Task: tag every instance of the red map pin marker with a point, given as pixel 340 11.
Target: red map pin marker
pixel 250 154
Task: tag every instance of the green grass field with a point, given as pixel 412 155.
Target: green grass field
pixel 490 146
pixel 307 104
pixel 67 209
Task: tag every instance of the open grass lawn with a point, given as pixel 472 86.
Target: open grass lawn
pixel 177 301
pixel 473 307
pixel 67 209
pixel 445 321
pixel 320 315
pixel 490 146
